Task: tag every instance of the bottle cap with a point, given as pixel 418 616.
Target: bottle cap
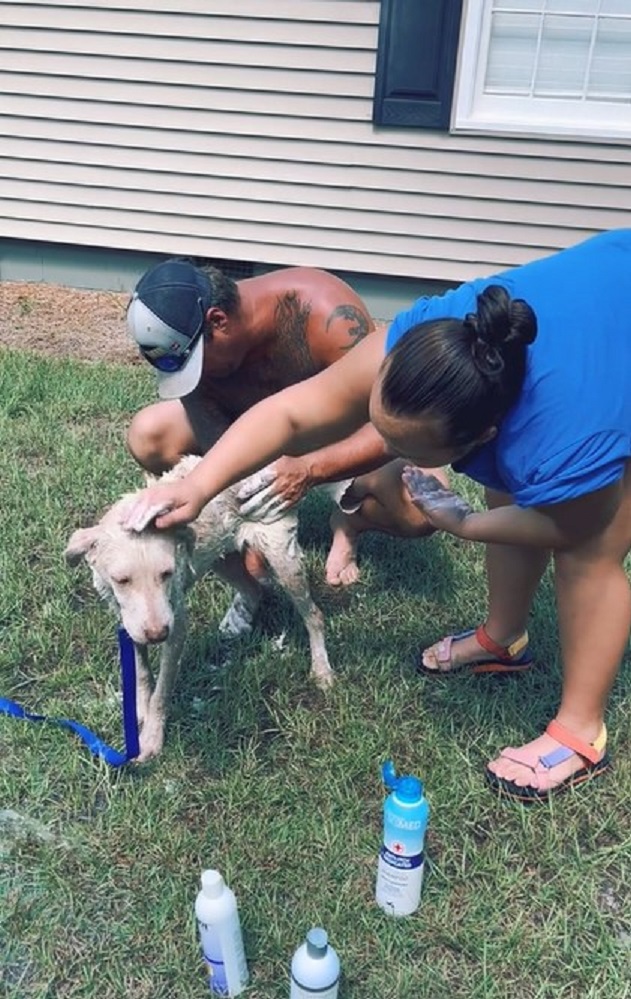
pixel 408 788
pixel 212 883
pixel 317 942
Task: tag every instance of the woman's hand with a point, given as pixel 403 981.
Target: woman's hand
pixel 444 510
pixel 167 503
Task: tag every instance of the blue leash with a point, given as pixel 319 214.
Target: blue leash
pixel 97 747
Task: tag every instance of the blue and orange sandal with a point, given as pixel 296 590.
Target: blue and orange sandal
pixel 597 760
pixel 514 658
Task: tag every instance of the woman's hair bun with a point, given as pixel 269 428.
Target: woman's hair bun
pixel 500 326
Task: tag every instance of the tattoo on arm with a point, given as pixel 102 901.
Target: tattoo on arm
pixel 353 315
pixel 292 318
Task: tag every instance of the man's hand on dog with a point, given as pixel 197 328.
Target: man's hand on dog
pixel 269 493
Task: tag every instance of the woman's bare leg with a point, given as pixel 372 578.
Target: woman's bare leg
pixel 513 575
pixel 594 609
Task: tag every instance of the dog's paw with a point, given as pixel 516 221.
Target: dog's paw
pixel 237 621
pixel 151 742
pixel 324 680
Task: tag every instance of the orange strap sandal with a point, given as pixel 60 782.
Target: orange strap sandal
pixel 597 760
pixel 514 658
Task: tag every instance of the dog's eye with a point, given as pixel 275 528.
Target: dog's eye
pixel 166 575
pixel 122 580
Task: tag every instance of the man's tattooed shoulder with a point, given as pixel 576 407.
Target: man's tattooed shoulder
pixel 358 323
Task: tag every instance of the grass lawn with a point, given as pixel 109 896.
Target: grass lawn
pixel 265 777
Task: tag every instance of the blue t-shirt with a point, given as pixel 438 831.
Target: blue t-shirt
pixel 570 431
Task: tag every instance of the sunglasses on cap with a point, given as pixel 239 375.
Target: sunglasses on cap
pixel 173 359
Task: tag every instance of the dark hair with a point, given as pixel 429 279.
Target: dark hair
pixel 466 372
pixel 225 290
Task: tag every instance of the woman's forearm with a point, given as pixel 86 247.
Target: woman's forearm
pixel 250 442
pixel 302 418
pixel 268 430
pixel 557 526
pixel 512 525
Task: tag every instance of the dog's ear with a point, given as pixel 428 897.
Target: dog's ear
pixel 185 539
pixel 80 543
pixel 185 536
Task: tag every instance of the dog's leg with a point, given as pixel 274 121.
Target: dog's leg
pixel 239 618
pixel 152 734
pixel 289 569
pixel 144 683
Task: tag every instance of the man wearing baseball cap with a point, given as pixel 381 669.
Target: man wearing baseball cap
pixel 219 346
pixel 167 316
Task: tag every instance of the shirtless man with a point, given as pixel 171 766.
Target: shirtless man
pixel 219 347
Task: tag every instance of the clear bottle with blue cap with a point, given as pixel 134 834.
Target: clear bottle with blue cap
pixel 315 968
pixel 401 858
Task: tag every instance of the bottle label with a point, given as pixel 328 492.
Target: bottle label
pixel 224 957
pixel 403 837
pixel 399 882
pixel 217 980
pixel 410 825
pixel 302 992
pixel 400 861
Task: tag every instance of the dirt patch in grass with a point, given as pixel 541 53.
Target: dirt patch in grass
pixel 66 322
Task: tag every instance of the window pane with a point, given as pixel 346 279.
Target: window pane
pixel 616 7
pixel 512 51
pixel 565 44
pixel 610 75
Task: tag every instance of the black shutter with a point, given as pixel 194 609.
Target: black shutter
pixel 416 63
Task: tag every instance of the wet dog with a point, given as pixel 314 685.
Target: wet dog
pixel 145 576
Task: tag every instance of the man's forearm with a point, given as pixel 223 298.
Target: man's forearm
pixel 362 452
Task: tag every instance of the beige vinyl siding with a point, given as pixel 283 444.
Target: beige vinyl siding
pixel 243 130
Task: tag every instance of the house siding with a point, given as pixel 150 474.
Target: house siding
pixel 243 131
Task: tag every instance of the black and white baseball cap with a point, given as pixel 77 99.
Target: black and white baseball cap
pixel 166 318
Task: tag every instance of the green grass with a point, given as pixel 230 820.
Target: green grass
pixel 268 779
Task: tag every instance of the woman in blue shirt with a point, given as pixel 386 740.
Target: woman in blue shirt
pixel 523 382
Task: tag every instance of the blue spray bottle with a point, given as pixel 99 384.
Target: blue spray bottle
pixel 401 858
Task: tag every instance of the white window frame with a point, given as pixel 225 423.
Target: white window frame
pixel 488 114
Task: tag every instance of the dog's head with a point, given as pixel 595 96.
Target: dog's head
pixel 144 575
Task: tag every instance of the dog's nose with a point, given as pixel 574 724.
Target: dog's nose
pixel 156 635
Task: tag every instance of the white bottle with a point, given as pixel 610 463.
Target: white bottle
pixel 220 936
pixel 315 968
